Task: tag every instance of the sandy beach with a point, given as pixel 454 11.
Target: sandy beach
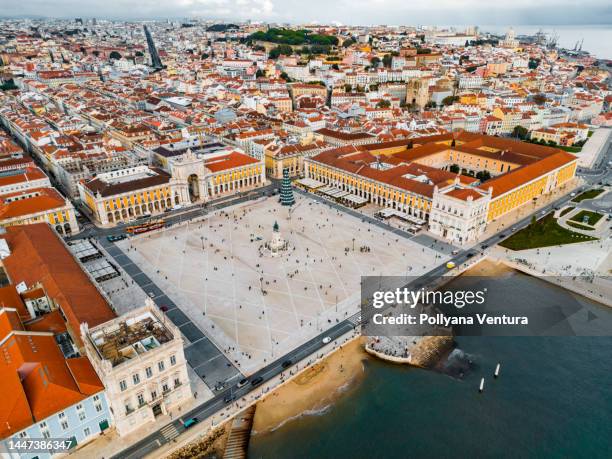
pixel 318 387
pixel 489 268
pixel 314 389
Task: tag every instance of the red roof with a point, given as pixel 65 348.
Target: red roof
pixel 39 378
pixel 229 161
pixel 38 255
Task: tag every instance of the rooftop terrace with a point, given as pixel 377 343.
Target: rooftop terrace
pixel 127 339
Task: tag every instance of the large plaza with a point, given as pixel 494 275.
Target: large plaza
pixel 255 306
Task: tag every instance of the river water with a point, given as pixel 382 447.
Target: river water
pixel 553 399
pixel 597 38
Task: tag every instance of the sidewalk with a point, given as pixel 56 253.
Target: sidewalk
pixel 111 443
pixel 592 149
pixel 228 412
pixel 506 221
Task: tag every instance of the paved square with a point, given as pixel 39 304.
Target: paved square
pixel 256 307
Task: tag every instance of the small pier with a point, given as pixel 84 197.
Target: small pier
pixel 237 444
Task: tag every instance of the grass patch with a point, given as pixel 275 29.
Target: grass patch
pixel 569 149
pixel 591 217
pixel 590 133
pixel 579 226
pixel 545 232
pixel 589 194
pixel 566 211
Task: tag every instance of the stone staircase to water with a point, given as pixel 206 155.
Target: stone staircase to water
pixel 238 441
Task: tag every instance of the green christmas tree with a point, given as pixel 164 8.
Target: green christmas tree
pixel 286 192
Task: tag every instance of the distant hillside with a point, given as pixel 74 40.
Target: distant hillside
pixel 294 37
pixel 222 27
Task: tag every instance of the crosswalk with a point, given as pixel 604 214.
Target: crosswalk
pixel 355 319
pixel 169 432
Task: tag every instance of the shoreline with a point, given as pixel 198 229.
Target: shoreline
pixel 313 391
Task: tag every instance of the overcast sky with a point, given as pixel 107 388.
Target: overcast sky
pixel 392 12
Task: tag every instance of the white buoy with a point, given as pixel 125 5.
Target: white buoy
pixel 496 374
pixel 481 388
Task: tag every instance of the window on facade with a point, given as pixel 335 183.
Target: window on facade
pixel 173 360
pixel 141 400
pixel 65 425
pixel 87 431
pixel 136 378
pixel 153 395
pixel 177 382
pixel 96 398
pixel 122 385
pixel 165 387
pixel 61 415
pixel 160 366
pixel 149 372
pixel 82 415
pixel 23 435
pixel 98 407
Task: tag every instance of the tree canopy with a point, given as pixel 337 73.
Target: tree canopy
pixel 294 37
pixel 281 49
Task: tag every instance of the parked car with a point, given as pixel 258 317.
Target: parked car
pixel 326 340
pixel 287 363
pixel 256 381
pixel 243 382
pixel 163 308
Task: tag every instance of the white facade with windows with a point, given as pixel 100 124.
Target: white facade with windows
pixel 458 218
pixel 139 358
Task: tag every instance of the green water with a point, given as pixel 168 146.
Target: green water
pixel 553 399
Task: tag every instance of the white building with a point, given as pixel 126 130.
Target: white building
pixel 139 358
pixel 459 214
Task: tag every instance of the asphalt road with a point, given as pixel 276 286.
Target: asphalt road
pixel 210 407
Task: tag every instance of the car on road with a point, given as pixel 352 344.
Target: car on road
pixel 243 382
pixel 455 252
pixel 572 194
pixel 256 381
pixel 326 340
pixel 219 386
pixel 163 308
pixel 287 363
pixel 151 294
pixel 190 422
pixel 484 246
pixel 469 255
pixel 450 265
pixel 228 397
pixel 115 237
pixel 502 235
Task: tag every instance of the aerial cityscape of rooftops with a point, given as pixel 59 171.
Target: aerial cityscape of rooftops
pixel 189 208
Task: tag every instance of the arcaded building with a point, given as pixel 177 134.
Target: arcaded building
pixel 414 176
